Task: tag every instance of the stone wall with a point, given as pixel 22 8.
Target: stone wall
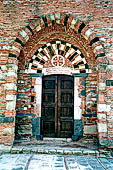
pixel 15 15
pixel 24 106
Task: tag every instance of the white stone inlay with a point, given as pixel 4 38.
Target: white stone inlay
pixel 70 51
pixel 101 116
pixel 10 105
pixel 46 51
pixel 110 67
pixel 103 108
pixel 23 33
pixel 10 86
pixel 10 97
pixel 52 17
pixel 98 48
pixel 16 49
pixel 88 33
pixel 38 28
pixel 102 127
pixel 74 21
pixel 76 59
pixel 90 129
pixel 38 64
pixel 58 70
pixel 101 86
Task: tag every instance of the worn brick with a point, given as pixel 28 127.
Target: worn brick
pixel 25 26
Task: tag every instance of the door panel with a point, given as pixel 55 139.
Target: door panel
pixel 49 113
pixel 49 128
pixel 49 106
pixel 49 97
pixel 66 111
pixel 66 97
pixel 66 84
pixel 57 106
pixel 65 106
pixel 49 84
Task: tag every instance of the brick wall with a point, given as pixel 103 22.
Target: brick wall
pixel 16 14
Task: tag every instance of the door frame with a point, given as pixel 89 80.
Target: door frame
pixel 37 79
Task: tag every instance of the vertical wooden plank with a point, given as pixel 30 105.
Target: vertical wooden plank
pixel 48 106
pixel 56 105
pixel 59 106
pixel 65 104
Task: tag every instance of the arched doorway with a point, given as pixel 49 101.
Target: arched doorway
pixel 76 59
pixel 57 106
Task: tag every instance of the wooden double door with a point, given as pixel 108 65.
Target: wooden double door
pixel 57 106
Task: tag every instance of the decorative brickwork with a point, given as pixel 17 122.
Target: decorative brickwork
pixel 68 21
pixel 55 48
pixel 31 35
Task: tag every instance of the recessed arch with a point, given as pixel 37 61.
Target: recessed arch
pixel 68 22
pixel 61 48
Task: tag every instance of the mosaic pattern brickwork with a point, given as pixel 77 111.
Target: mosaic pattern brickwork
pixel 68 51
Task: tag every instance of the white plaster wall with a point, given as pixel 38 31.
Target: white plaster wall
pixel 77 100
pixel 38 90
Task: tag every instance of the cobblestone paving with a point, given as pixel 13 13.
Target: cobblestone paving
pixel 53 162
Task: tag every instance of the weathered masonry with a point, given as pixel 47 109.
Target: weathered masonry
pixel 56 72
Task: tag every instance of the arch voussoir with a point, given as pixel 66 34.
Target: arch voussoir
pixel 61 48
pixel 68 21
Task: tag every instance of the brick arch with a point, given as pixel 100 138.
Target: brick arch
pixel 61 48
pixel 68 21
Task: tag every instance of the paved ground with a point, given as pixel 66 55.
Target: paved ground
pixel 84 142
pixel 53 162
pixel 59 146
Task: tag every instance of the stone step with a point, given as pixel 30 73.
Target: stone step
pixel 53 150
pixel 57 139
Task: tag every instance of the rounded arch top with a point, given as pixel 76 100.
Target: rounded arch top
pixel 68 21
pixel 56 54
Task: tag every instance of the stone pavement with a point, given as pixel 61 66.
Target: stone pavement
pixel 30 149
pixel 61 147
pixel 54 162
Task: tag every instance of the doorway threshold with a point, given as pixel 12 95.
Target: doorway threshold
pixel 57 139
pixel 57 146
